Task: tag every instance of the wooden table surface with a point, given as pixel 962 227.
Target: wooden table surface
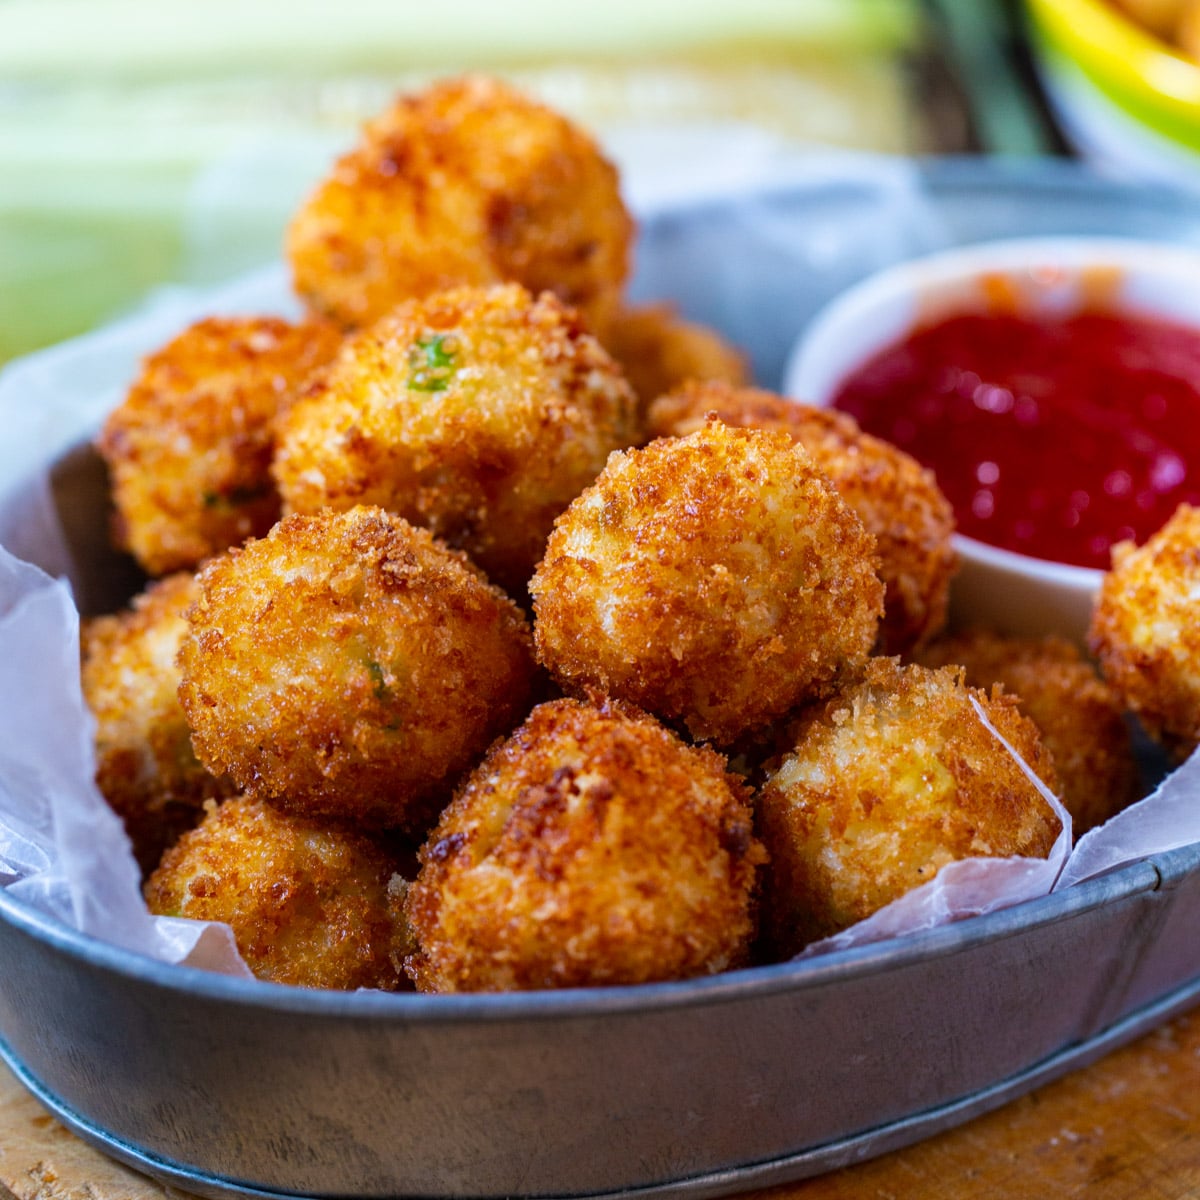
pixel 1127 1127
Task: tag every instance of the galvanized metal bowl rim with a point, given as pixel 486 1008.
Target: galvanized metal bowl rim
pixel 728 987
pixel 969 173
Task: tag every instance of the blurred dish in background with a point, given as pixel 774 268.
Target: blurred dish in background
pixel 158 141
pixel 1120 82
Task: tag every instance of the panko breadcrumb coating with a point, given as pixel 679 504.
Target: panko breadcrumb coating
pixel 1080 718
pixel 189 449
pixel 886 784
pixel 349 665
pixel 145 766
pixel 896 498
pixel 479 413
pixel 1145 632
pixel 592 847
pixel 468 182
pixel 310 903
pixel 716 579
pixel 658 351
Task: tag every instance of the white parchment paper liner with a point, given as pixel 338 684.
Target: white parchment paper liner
pixel 64 852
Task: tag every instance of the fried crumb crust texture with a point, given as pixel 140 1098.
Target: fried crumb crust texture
pixel 896 498
pixel 659 351
pixel 145 765
pixel 479 413
pixel 467 182
pixel 345 669
pixel 313 904
pixel 1145 633
pixel 1079 716
pixel 885 784
pixel 189 448
pixel 348 665
pixel 715 580
pixel 593 847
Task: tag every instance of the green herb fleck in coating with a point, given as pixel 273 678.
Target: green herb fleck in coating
pixel 431 363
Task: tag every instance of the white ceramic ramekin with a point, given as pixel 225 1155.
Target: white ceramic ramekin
pixel 1009 592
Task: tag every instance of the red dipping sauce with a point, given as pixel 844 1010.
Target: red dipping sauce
pixel 1051 436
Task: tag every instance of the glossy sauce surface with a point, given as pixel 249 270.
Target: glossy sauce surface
pixel 1053 437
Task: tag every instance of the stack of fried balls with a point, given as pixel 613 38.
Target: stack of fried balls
pixel 498 634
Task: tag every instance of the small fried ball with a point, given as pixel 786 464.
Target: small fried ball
pixel 896 498
pixel 716 579
pixel 145 766
pixel 592 847
pixel 658 351
pixel 1145 634
pixel 479 413
pixel 468 182
pixel 1080 719
pixel 310 903
pixel 189 449
pixel 349 665
pixel 886 784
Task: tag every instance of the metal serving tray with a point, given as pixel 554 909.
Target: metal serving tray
pixel 702 1088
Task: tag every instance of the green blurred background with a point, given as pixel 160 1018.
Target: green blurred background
pixel 143 142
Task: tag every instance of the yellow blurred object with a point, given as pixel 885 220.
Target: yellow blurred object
pixel 1124 96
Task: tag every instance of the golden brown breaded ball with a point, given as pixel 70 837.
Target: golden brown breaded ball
pixel 1080 718
pixel 887 783
pixel 658 351
pixel 145 766
pixel 896 498
pixel 592 847
pixel 189 448
pixel 716 579
pixel 310 903
pixel 468 182
pixel 1145 631
pixel 349 665
pixel 480 413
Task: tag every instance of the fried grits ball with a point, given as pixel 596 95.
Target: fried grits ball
pixel 348 665
pixel 716 579
pixel 1145 631
pixel 310 903
pixel 189 449
pixel 1078 715
pixel 896 498
pixel 145 766
pixel 658 351
pixel 592 847
pixel 480 413
pixel 886 784
pixel 468 182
